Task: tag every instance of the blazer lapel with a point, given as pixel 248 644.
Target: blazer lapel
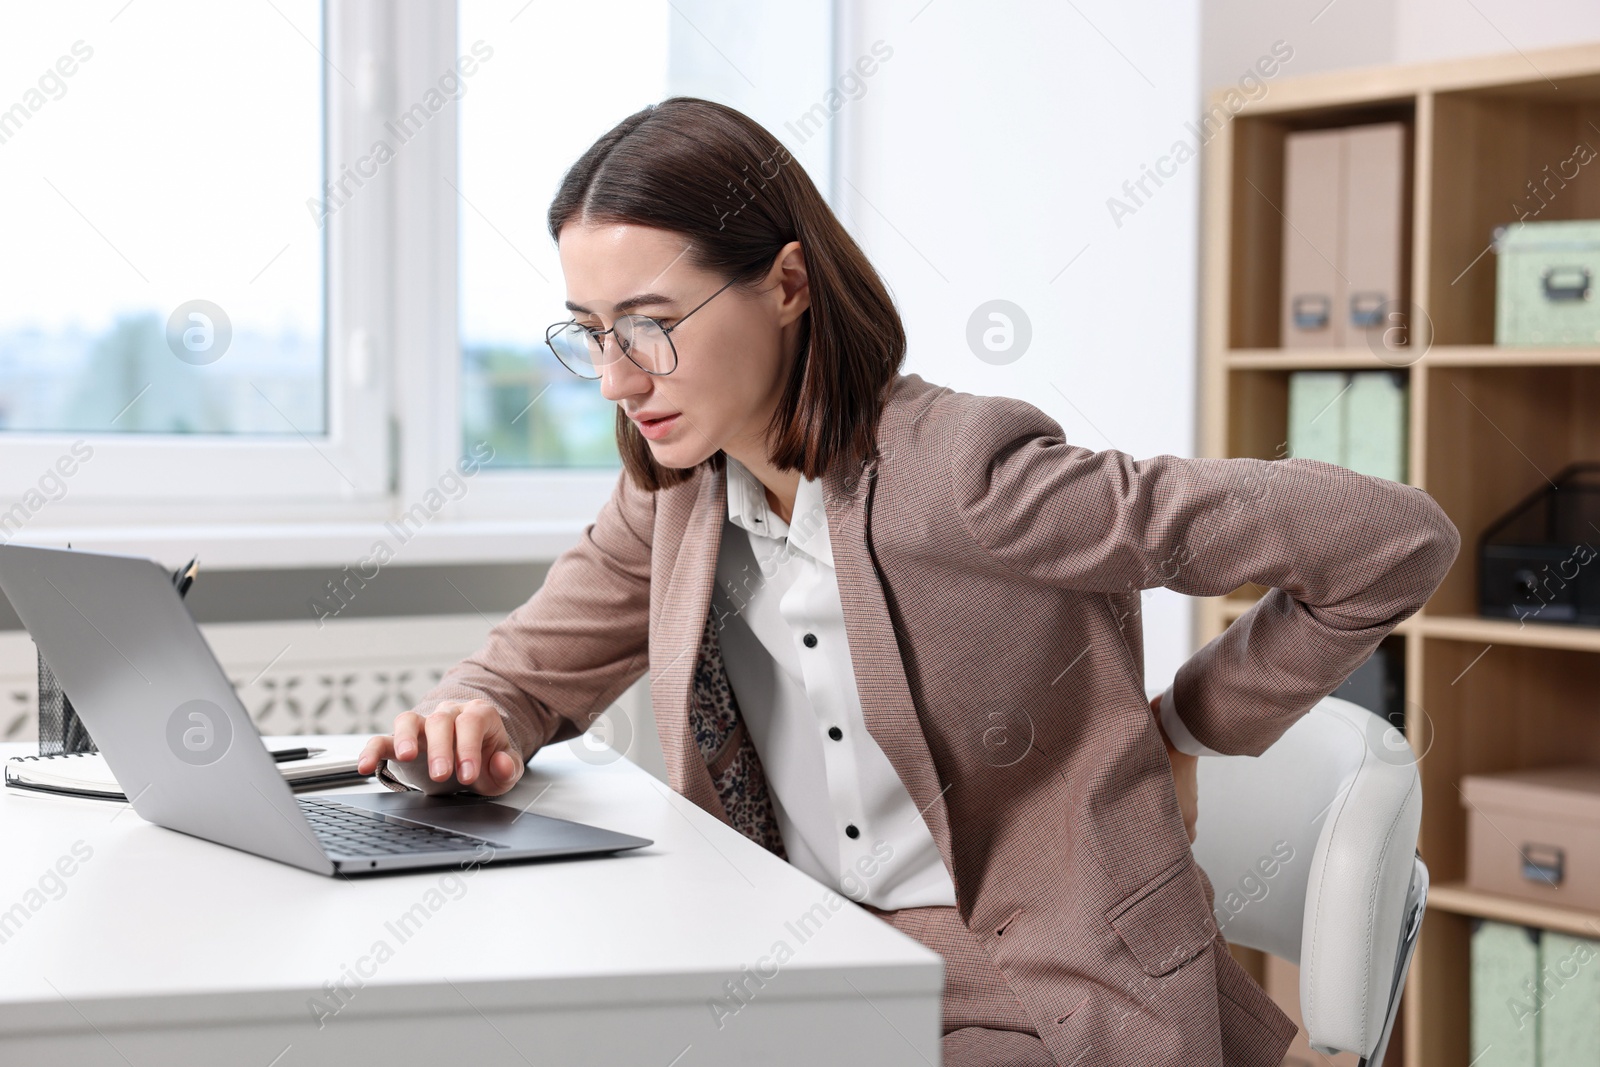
pixel 683 613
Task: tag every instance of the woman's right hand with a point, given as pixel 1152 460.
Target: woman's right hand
pixel 459 745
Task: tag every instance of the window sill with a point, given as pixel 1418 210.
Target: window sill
pixel 251 546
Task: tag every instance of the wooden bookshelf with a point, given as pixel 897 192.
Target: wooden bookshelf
pixel 1485 424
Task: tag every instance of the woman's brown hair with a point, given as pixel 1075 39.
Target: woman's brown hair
pixel 718 178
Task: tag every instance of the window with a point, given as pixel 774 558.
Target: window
pixel 539 99
pixel 166 316
pixel 288 262
pixel 172 281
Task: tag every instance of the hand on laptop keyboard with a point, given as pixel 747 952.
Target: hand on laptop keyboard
pixel 459 746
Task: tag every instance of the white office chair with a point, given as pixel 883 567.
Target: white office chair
pixel 1340 789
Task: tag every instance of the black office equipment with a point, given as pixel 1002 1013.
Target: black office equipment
pixel 1537 563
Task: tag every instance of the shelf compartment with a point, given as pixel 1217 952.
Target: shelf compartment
pixel 1501 154
pixel 1490 707
pixel 1258 408
pixel 1492 436
pixel 1256 190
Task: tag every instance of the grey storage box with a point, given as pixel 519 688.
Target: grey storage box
pixel 1545 283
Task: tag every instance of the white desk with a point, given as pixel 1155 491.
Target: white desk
pixel 160 948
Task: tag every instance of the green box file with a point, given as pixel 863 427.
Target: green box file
pixel 1357 420
pixel 1505 1010
pixel 1316 415
pixel 1569 990
pixel 1375 424
pixel 1545 282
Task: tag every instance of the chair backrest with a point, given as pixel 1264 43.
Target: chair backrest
pixel 1311 850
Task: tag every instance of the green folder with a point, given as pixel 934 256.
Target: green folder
pixel 1505 1007
pixel 1317 414
pixel 1375 424
pixel 1569 1018
pixel 1357 420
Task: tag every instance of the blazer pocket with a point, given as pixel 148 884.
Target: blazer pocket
pixel 1166 923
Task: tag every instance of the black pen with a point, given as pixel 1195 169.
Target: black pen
pixel 284 755
pixel 177 575
pixel 188 578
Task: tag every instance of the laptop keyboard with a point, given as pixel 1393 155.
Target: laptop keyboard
pixel 350 831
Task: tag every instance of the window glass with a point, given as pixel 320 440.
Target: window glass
pixel 163 272
pixel 549 80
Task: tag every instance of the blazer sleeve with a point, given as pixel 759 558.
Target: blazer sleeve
pixel 559 660
pixel 1346 557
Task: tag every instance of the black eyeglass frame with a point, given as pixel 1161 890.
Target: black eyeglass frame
pixel 597 334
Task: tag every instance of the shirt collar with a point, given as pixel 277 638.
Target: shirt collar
pixel 747 509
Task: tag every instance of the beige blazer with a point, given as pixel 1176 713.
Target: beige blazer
pixel 990 574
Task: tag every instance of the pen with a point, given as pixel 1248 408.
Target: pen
pixel 177 575
pixel 284 755
pixel 188 577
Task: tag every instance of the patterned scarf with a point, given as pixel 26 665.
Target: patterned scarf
pixel 729 753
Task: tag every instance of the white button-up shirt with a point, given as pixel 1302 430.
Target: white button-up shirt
pixel 846 818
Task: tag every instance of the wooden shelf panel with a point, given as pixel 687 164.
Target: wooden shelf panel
pixel 1459 898
pixel 1496 356
pixel 1554 636
pixel 1291 359
pixel 1308 359
pixel 1511 632
pixel 1572 68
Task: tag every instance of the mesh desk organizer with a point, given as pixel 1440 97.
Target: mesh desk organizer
pixel 1537 561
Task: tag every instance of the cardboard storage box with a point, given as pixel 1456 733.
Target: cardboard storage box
pixel 1535 834
pixel 1545 282
pixel 1344 237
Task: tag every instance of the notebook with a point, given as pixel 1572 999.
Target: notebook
pixel 86 774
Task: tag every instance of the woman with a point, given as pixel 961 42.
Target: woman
pixel 893 629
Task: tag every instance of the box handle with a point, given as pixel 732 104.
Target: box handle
pixel 1543 863
pixel 1366 309
pixel 1311 311
pixel 1562 284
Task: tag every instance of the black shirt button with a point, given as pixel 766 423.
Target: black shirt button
pixel 851 831
pixel 811 640
pixel 836 733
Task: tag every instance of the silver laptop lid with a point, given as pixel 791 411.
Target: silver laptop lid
pixel 161 710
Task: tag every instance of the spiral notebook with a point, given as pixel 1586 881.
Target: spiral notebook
pixel 86 774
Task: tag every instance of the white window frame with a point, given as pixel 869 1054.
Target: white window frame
pixel 428 323
pixel 157 478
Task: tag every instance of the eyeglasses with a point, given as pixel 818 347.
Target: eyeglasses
pixel 582 349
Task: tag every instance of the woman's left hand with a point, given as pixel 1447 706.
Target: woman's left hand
pixel 1183 776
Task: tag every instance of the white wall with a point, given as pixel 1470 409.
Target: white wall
pixel 770 61
pixel 1443 29
pixel 1358 33
pixel 1324 35
pixel 977 165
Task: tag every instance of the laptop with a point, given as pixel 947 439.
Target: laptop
pixel 121 641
